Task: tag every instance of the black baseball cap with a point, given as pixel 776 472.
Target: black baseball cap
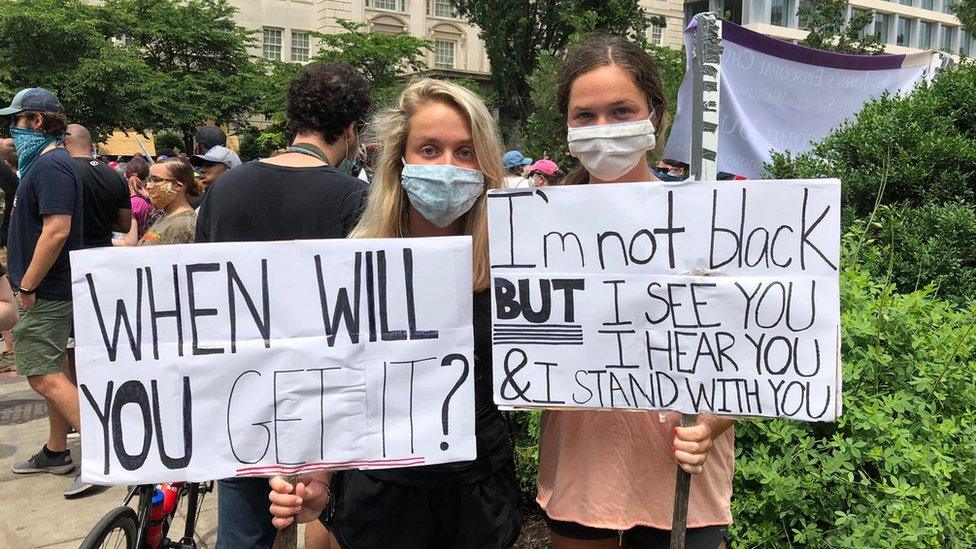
pixel 209 137
pixel 32 99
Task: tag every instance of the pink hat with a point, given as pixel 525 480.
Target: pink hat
pixel 544 166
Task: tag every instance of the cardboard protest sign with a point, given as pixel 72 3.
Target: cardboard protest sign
pixel 717 297
pixel 207 361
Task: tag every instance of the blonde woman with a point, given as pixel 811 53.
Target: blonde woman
pixel 440 153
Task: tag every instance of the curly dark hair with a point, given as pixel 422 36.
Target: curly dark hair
pixel 325 98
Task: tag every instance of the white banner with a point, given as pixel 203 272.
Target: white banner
pixel 716 297
pixel 206 361
pixel 780 96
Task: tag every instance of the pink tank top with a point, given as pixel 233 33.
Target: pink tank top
pixel 615 470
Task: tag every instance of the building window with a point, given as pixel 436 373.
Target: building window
pixel 925 4
pixel 780 13
pixel 906 2
pixel 391 5
pixel 299 46
pixel 271 44
pixel 904 32
pixel 945 41
pixel 881 23
pixel 441 8
pixel 444 54
pixel 925 35
pixel 964 42
pixel 945 6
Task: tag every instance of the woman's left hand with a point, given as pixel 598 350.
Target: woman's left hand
pixel 691 446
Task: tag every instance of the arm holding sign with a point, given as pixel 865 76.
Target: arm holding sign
pixel 304 501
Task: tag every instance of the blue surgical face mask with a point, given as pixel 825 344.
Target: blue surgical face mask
pixel 441 192
pixel 29 144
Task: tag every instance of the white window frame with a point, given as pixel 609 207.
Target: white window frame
pixel 307 47
pixel 399 6
pixel 432 6
pixel 268 46
pixel 437 54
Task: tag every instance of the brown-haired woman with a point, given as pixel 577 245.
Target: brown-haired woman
pixel 606 479
pixel 168 185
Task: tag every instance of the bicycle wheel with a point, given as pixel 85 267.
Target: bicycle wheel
pixel 115 530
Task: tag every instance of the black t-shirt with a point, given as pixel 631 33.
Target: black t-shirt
pixel 105 194
pixel 51 186
pixel 261 202
pixel 491 431
pixel 8 183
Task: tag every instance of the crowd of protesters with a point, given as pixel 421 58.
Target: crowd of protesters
pixel 606 479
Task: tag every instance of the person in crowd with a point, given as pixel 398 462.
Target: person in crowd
pixel 208 137
pixel 607 478
pixel 542 173
pixel 165 154
pixel 515 163
pixel 144 214
pixel 8 303
pixel 440 153
pixel 107 208
pixel 8 184
pixel 671 170
pixel 45 226
pixel 213 164
pixel 298 194
pixel 106 195
pixel 169 185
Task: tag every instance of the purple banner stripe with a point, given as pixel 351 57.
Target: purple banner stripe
pixel 801 54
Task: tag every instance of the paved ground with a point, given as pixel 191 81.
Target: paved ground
pixel 33 513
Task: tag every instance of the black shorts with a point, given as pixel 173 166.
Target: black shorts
pixel 642 537
pixel 366 513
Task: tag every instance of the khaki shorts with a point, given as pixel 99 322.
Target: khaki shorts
pixel 41 338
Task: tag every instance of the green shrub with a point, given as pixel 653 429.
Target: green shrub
pixel 899 467
pixel 168 140
pixel 916 246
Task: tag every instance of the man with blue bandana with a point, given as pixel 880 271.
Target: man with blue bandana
pixel 46 224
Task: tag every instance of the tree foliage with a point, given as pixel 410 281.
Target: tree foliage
pixel 515 31
pixel 382 58
pixel 64 46
pixel 828 30
pixel 965 10
pixel 198 56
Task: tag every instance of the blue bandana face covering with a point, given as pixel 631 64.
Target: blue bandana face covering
pixel 441 192
pixel 29 144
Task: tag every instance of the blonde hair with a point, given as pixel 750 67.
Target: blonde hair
pixel 387 210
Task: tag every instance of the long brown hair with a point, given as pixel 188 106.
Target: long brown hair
pixel 181 171
pixel 386 214
pixel 605 50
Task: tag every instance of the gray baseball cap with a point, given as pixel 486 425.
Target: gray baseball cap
pixel 217 155
pixel 32 99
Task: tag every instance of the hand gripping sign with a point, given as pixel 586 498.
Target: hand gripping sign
pixel 718 297
pixel 207 361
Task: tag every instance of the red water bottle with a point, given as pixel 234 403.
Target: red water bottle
pixel 163 503
pixel 157 514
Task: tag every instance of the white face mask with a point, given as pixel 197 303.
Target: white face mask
pixel 611 150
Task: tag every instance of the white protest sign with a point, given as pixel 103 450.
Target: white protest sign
pixel 206 361
pixel 716 297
